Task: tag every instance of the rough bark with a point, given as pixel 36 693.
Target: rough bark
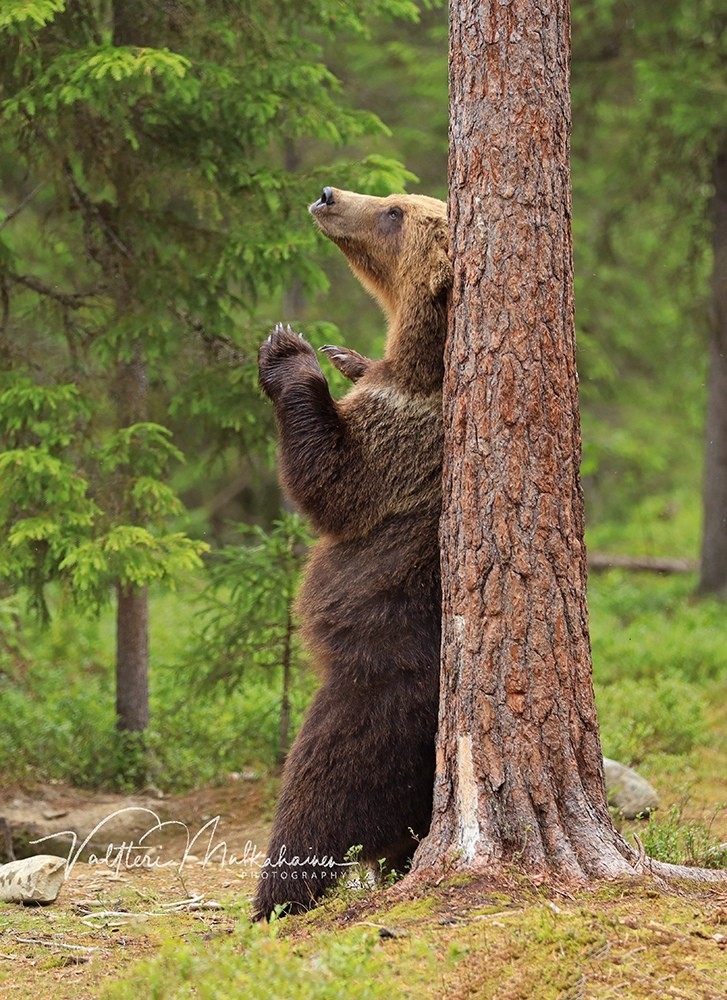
pixel 519 773
pixel 713 572
pixel 519 763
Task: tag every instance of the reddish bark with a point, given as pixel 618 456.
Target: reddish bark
pixel 519 775
pixel 519 763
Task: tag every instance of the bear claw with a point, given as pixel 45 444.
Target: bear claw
pixel 351 364
pixel 281 349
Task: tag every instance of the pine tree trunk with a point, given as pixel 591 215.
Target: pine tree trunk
pixel 132 659
pixel 132 614
pixel 713 574
pixel 138 22
pixel 519 765
pixel 133 22
pixel 284 724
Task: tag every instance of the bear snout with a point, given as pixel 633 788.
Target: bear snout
pixel 326 198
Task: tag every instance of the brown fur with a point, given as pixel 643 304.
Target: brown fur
pixel 366 471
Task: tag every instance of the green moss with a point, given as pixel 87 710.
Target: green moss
pixel 463 941
pixel 411 911
pixel 258 964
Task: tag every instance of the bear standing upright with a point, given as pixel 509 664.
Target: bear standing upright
pixel 367 472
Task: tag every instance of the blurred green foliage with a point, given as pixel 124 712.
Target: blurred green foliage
pixel 153 205
pixel 658 654
pixel 56 693
pixel 150 209
pixel 52 522
pixel 245 615
pixel 673 836
pixel 648 84
pixel 148 212
pixel 244 612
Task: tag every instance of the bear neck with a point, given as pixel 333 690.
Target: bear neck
pixel 415 344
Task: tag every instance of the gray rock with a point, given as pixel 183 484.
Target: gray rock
pixel 627 791
pixel 33 880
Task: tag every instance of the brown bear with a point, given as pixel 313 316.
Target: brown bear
pixel 367 472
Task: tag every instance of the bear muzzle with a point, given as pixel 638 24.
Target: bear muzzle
pixel 325 199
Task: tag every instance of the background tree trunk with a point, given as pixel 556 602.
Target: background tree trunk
pixel 519 764
pixel 134 22
pixel 132 611
pixel 132 659
pixel 284 722
pixel 713 573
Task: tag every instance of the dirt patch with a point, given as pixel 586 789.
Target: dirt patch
pixel 150 868
pixel 104 921
pixel 70 822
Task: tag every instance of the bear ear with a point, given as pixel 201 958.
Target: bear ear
pixel 442 275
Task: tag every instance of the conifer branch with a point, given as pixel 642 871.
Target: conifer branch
pixel 19 208
pixel 70 300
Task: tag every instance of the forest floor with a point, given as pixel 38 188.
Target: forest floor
pixel 168 917
pixel 144 868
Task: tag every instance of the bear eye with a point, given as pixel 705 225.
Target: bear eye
pixel 390 220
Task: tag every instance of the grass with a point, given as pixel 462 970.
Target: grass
pixel 645 627
pixel 672 835
pixel 659 674
pixel 464 943
pixel 457 940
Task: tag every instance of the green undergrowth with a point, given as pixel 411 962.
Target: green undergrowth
pixel 666 524
pixel 673 837
pixel 660 680
pixel 460 938
pixel 649 626
pixel 58 704
pixel 658 662
pixel 659 669
pixel 619 940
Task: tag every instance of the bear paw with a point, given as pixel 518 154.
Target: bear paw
pixel 283 356
pixel 350 363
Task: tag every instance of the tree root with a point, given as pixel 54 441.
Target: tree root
pixel 644 865
pixel 667 871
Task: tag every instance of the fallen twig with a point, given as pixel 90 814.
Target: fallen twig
pixel 646 564
pixel 639 865
pixel 191 904
pixel 55 944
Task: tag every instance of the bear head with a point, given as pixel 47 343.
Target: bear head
pixel 396 246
